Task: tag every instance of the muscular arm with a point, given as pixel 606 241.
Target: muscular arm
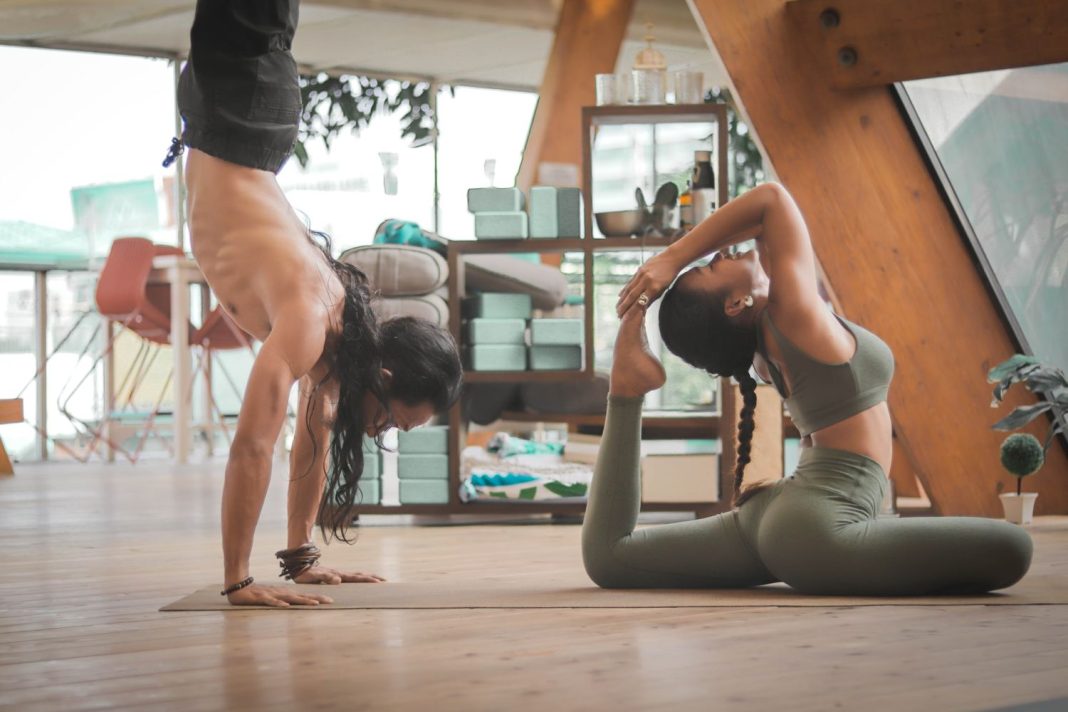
pixel 307 461
pixel 767 213
pixel 290 351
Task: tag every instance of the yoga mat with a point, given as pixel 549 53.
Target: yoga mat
pixel 1034 590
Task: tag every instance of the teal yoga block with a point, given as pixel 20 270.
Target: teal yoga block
pixel 555 358
pixel 495 200
pixel 501 226
pixel 555 212
pixel 556 332
pixel 496 357
pixel 498 305
pixel 495 331
pixel 372 466
pixel 422 467
pixel 369 444
pixel 430 439
pixel 371 491
pixel 424 491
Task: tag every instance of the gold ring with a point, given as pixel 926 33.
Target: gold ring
pixel 643 299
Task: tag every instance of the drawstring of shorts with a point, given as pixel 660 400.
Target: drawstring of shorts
pixel 173 152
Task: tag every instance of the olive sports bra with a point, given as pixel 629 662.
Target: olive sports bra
pixel 824 394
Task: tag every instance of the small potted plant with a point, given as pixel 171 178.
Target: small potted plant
pixel 1023 454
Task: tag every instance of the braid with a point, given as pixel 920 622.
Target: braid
pixel 746 426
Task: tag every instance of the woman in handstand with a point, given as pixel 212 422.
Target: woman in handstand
pixel 240 100
pixel 818 530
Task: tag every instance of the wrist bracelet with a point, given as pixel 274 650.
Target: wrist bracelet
pixel 236 587
pixel 294 562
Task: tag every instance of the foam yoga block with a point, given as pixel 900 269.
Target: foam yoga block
pixel 431 439
pixel 497 305
pixel 424 491
pixel 556 332
pixel 422 467
pixel 555 212
pixel 370 490
pixel 495 331
pixel 555 358
pixel 501 226
pixel 372 466
pixel 496 357
pixel 495 200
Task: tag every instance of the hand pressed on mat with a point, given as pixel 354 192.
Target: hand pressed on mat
pixel 278 596
pixel 328 575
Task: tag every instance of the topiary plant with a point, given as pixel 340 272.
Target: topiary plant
pixel 1044 381
pixel 1022 455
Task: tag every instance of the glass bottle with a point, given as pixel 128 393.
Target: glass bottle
pixel 703 186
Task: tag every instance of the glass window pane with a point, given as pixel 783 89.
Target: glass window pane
pixel 82 154
pixel 481 136
pixel 1002 140
pixel 362 180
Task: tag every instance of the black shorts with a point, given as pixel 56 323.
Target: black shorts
pixel 239 93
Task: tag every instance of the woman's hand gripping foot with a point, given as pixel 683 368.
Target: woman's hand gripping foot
pixel 635 371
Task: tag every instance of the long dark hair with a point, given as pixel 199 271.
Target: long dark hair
pixel 425 367
pixel 696 329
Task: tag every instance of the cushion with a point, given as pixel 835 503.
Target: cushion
pixel 399 270
pixel 546 285
pixel 428 307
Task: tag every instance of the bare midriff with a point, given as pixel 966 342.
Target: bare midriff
pixel 253 249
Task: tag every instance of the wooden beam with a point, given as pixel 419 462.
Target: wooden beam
pixel 10 412
pixel 866 43
pixel 589 34
pixel 889 248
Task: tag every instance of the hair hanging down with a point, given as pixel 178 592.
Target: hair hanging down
pixel 425 367
pixel 722 348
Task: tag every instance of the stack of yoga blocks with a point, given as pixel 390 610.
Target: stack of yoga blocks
pixel 423 465
pixel 495 331
pixel 500 334
pixel 371 480
pixel 500 213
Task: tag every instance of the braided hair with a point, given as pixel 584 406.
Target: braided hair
pixel 720 346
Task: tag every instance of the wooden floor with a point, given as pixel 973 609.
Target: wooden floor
pixel 90 552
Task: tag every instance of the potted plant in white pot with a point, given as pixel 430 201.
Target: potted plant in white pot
pixel 1023 454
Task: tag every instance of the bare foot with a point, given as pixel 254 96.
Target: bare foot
pixel 635 371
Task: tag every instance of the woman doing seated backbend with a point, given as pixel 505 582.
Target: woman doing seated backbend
pixel 817 531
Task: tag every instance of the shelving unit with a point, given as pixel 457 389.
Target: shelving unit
pixel 676 425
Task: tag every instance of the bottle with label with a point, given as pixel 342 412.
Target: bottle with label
pixel 686 210
pixel 703 186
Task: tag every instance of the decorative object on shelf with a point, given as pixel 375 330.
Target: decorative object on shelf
pixel 556 332
pixel 1021 455
pixel 606 89
pixel 497 305
pixel 689 86
pixel 555 358
pixel 555 212
pixel 703 186
pixel 649 76
pixel 494 331
pixel 621 223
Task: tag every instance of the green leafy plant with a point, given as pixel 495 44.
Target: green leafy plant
pixel 332 104
pixel 1022 455
pixel 1044 381
pixel 746 169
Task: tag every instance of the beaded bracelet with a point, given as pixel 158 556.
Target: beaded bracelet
pixel 294 562
pixel 236 587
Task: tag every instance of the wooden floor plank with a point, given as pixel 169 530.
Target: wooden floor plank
pixel 91 552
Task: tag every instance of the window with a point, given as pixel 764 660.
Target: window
pixel 1000 142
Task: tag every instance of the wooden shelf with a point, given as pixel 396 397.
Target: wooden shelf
pixel 651 114
pixel 561 244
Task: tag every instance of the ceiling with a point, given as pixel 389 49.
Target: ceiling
pixel 481 42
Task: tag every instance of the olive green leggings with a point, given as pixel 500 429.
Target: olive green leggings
pixel 816 531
